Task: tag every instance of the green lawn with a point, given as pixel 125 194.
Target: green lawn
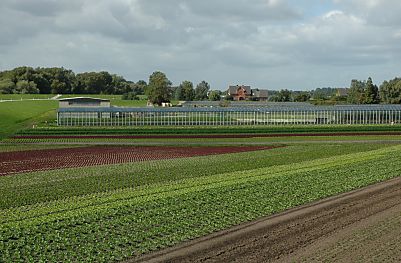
pixel 116 100
pixel 17 115
pixel 25 96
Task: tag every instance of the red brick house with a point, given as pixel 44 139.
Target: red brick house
pixel 241 92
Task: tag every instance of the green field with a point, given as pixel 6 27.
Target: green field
pixel 22 114
pixel 207 141
pixel 25 96
pixel 17 115
pixel 173 130
pixel 123 211
pixel 116 100
pixel 111 213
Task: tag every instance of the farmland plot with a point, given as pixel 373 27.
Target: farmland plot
pixel 39 160
pixel 128 222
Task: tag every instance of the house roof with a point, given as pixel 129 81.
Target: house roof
pixel 262 93
pixel 232 90
pixel 342 92
pixel 83 98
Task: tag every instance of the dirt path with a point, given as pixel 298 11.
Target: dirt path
pixel 360 225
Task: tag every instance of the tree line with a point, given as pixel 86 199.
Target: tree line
pixel 359 92
pixel 64 81
pixel 28 80
pixel 159 88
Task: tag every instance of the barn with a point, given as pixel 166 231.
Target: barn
pixel 83 102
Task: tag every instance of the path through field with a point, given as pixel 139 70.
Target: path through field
pixel 360 226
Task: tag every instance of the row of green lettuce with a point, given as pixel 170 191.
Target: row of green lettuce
pixel 126 223
pixel 208 130
pixel 174 141
pixel 30 188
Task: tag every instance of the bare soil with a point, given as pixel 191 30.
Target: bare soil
pixel 363 225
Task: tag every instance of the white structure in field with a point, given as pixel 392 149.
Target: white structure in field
pixel 83 102
pixel 267 114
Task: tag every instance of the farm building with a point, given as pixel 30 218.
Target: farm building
pixel 86 102
pixel 83 102
pixel 270 114
pixel 241 92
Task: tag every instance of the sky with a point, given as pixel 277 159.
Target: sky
pixel 267 44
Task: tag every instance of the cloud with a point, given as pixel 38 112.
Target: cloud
pixel 276 43
pixel 375 12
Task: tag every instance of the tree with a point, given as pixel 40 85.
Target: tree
pixel 118 85
pixel 7 86
pixel 58 87
pixel 42 83
pixel 356 92
pixel 159 88
pixel 214 95
pixel 371 94
pixel 139 87
pixel 177 93
pixel 187 91
pixel 324 93
pixel 26 87
pixel 302 97
pixel 390 91
pixel 201 90
pixel 284 95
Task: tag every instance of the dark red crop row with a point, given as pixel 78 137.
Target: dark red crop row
pixel 50 159
pixel 205 136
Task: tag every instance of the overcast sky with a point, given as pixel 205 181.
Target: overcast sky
pixel 272 44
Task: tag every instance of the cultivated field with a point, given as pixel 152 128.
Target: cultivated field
pixel 197 193
pixel 131 201
pixel 51 159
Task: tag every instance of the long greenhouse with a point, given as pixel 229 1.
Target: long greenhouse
pixel 216 116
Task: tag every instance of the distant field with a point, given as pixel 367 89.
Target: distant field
pixel 25 96
pixel 23 113
pixel 115 100
pixel 16 115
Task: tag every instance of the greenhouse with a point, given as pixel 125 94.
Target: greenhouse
pixel 215 116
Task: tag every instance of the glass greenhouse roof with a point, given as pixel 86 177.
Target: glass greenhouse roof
pixel 267 108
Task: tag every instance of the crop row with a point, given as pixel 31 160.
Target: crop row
pixel 196 140
pixel 14 147
pixel 126 223
pixel 208 130
pixel 30 188
pixel 39 160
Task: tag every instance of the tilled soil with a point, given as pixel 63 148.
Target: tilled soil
pixel 50 159
pixel 345 228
